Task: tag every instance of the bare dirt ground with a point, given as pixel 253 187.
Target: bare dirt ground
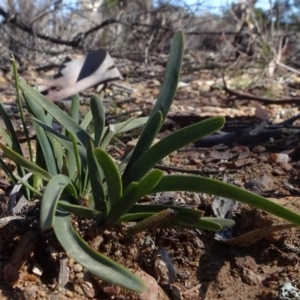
pixel 204 267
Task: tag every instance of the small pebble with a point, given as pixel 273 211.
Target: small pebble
pixel 79 275
pixel 37 269
pixel 288 291
pixel 69 294
pixel 278 158
pixel 77 268
pixel 71 262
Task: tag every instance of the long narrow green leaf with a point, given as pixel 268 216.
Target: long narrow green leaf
pixel 171 79
pixel 20 107
pixel 87 120
pixel 135 193
pixel 201 184
pixel 28 186
pixel 155 208
pixel 67 122
pixel 5 137
pixel 95 177
pixel 11 131
pixel 112 176
pixel 222 221
pixel 25 163
pixel 74 161
pixel 81 211
pixel 51 196
pixel 46 149
pixel 169 144
pixel 74 109
pixel 145 140
pixel 92 260
pixel 58 152
pixel 14 143
pixel 98 118
pixel 8 171
pixel 110 131
pixel 108 134
pixel 65 141
pixel 134 217
pixel 130 124
pixel 152 222
pixel 37 111
pixel 193 223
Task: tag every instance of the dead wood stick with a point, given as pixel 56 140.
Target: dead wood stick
pixel 244 96
pixel 191 171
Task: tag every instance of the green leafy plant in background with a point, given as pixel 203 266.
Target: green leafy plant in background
pixel 72 164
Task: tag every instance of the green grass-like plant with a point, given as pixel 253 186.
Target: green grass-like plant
pixel 72 164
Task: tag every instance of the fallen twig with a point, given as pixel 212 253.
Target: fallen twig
pixel 244 96
pixel 190 171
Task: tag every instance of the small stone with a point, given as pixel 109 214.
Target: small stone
pixel 246 262
pixel 153 291
pixel 71 262
pixel 42 293
pixel 77 289
pixel 10 274
pixel 282 158
pixel 258 149
pixel 288 291
pixel 250 277
pixel 69 294
pixel 77 268
pixel 176 292
pixel 260 184
pixel 37 269
pixel 79 275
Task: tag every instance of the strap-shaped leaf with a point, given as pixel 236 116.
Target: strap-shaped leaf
pixel 8 171
pixel 152 222
pixel 36 110
pixel 112 177
pixel 51 196
pixel 66 121
pixel 87 120
pixel 193 223
pixel 222 221
pixel 13 142
pixel 146 139
pixel 46 148
pixel 95 262
pixel 25 163
pixel 130 124
pixel 5 137
pixel 74 160
pixel 81 211
pixel 74 112
pixel 98 118
pixel 110 131
pixel 28 186
pixel 65 141
pixel 134 217
pixel 135 193
pixel 21 111
pixel 108 134
pixel 95 177
pixel 169 86
pixel 201 184
pixel 169 144
pixel 155 208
